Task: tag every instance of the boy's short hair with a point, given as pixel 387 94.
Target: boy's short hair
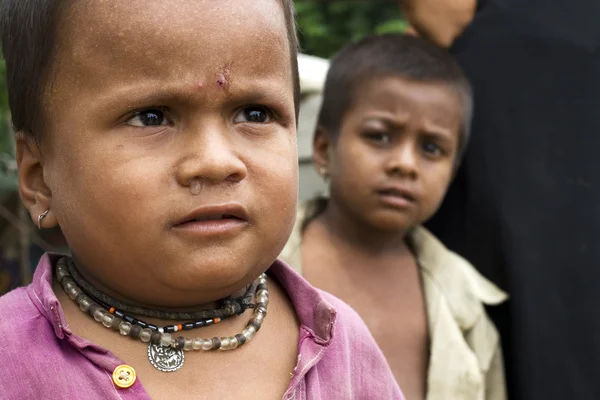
pixel 28 31
pixel 391 55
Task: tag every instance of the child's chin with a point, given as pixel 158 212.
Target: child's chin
pixel 213 277
pixel 394 223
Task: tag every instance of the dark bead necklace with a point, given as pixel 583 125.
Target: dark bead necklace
pixel 165 329
pixel 228 306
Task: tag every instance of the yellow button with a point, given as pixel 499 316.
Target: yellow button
pixel 124 376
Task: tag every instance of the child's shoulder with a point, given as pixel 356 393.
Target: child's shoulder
pixel 20 317
pixel 453 276
pixel 24 331
pixel 468 276
pixel 452 285
pixel 16 308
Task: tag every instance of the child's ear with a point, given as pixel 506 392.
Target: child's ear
pixel 321 151
pixel 36 195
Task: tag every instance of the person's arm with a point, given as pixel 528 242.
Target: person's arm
pixel 440 21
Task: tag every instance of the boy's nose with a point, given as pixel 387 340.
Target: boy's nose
pixel 404 161
pixel 211 158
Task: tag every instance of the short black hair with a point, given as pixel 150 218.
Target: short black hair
pixel 399 55
pixel 28 32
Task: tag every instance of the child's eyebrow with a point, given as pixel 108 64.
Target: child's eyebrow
pixel 146 93
pixel 393 121
pixel 441 137
pixel 438 137
pixel 436 131
pixel 397 121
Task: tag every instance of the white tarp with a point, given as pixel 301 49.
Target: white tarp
pixel 313 71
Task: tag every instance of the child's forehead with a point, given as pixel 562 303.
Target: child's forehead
pixel 400 99
pixel 189 39
pixel 147 25
pixel 393 88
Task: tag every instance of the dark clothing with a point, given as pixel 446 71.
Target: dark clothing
pixel 525 206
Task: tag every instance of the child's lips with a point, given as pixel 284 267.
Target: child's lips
pixel 397 197
pixel 215 212
pixel 211 227
pixel 213 220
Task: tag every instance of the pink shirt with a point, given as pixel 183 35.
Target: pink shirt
pixel 42 359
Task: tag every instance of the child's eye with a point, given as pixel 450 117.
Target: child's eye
pixel 253 114
pixel 379 137
pixel 150 117
pixel 432 149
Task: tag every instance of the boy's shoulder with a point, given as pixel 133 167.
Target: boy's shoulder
pixel 38 359
pixel 16 310
pixel 464 288
pixel 24 332
pixel 22 322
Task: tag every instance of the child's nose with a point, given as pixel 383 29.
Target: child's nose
pixel 404 161
pixel 210 158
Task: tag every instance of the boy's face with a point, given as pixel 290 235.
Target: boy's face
pixel 395 155
pixel 146 97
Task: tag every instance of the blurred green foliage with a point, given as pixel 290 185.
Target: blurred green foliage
pixel 326 26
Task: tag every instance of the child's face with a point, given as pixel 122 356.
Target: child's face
pixel 145 97
pixel 395 154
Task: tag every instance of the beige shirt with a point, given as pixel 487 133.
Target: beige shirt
pixel 465 356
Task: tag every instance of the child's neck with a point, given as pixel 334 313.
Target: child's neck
pixel 125 298
pixel 362 238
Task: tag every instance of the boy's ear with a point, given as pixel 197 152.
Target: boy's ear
pixel 34 192
pixel 321 150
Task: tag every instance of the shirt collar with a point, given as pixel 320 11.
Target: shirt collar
pixel 43 296
pixel 314 312
pixel 461 285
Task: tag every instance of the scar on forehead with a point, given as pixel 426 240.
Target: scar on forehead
pixel 222 81
pixel 223 78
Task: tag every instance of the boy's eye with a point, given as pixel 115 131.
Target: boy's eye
pixel 432 149
pixel 151 117
pixel 379 137
pixel 254 114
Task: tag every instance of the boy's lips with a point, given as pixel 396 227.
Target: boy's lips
pixel 213 220
pixel 397 196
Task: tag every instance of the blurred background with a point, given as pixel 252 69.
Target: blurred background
pixel 324 27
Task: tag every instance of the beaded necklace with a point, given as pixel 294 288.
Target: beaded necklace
pixel 165 352
pixel 228 306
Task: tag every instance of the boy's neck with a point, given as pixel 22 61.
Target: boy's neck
pixel 362 238
pixel 123 297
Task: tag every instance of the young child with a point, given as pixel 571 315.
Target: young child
pixel 393 126
pixel 160 137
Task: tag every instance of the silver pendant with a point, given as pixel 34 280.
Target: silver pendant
pixel 165 358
